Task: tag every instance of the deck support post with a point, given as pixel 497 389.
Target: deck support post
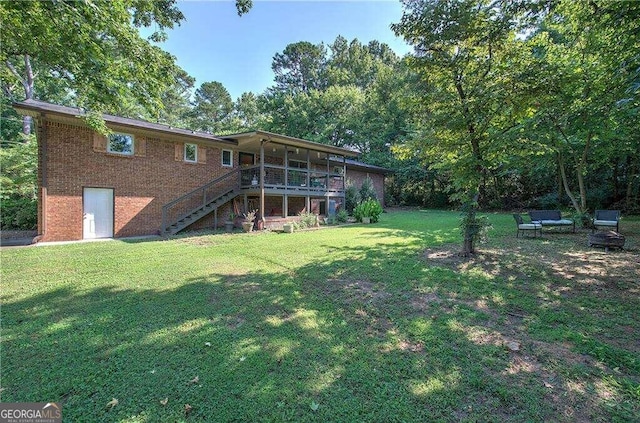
pixel 285 205
pixel 326 192
pixel 344 182
pixel 262 175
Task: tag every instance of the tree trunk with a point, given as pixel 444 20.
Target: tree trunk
pixel 632 176
pixel 565 183
pixel 470 231
pixel 581 169
pixel 27 81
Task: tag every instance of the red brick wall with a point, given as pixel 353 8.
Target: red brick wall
pixel 142 184
pixel 356 177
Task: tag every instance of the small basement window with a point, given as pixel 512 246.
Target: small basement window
pixel 191 153
pixel 120 144
pixel 227 158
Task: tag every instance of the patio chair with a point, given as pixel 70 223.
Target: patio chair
pixel 524 227
pixel 606 219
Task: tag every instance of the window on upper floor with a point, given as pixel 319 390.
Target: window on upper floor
pixel 191 153
pixel 227 158
pixel 120 144
pixel 298 164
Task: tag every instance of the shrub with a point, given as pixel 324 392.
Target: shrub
pixel 18 179
pixel 368 208
pixel 19 213
pixel 342 216
pixel 367 191
pixel 307 220
pixel 351 198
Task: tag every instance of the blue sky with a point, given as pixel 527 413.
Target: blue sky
pixel 215 44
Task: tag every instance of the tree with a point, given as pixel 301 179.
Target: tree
pixel 212 107
pixel 176 101
pixel 589 62
pixel 356 64
pixel 299 68
pixel 95 48
pixel 466 54
pixel 246 113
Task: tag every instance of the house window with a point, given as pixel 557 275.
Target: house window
pixel 298 164
pixel 120 144
pixel 246 159
pixel 191 153
pixel 227 158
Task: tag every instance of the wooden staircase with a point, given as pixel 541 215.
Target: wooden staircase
pixel 193 206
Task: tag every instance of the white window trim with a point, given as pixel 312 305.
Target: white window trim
pixel 133 145
pixel 230 158
pixel 184 153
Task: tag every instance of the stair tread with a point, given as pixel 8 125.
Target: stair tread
pixel 200 212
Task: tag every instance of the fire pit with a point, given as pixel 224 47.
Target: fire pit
pixel 606 239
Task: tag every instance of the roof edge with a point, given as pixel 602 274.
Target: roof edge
pixel 38 106
pixel 293 140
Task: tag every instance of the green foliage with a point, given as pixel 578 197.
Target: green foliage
pixel 307 220
pixel 18 212
pixel 212 108
pixel 368 208
pixel 95 47
pixel 476 228
pixel 352 197
pixel 18 179
pixel 342 216
pixel 583 219
pixel 367 191
pixel 300 67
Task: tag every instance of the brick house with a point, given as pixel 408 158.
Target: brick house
pixel 153 179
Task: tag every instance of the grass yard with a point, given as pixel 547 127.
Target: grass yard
pixel 356 323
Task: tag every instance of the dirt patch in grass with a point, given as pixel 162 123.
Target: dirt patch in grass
pixel 587 292
pixel 356 291
pixel 565 257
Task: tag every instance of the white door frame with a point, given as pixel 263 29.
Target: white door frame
pixel 103 211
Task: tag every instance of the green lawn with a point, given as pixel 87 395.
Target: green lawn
pixel 354 323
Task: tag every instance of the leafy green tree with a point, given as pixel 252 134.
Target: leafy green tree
pixel 246 113
pixel 466 55
pixel 299 68
pixel 212 107
pixel 589 66
pixel 18 179
pixel 176 101
pixel 93 46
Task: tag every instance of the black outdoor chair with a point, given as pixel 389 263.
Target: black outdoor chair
pixel 606 219
pixel 524 227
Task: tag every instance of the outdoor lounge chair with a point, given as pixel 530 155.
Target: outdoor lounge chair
pixel 523 227
pixel 606 219
pixel 550 218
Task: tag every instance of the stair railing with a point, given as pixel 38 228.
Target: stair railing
pixel 192 201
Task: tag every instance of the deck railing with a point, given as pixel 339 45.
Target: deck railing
pixel 183 206
pixel 296 179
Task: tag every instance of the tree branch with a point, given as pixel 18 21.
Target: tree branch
pixel 14 71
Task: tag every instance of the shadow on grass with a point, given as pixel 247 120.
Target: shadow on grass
pixel 364 334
